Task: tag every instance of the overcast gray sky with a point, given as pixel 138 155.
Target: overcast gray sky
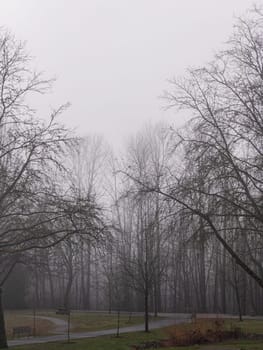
pixel 112 58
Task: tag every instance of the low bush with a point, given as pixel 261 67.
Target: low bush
pixel 200 332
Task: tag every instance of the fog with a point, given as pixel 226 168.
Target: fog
pixel 170 224
pixel 112 59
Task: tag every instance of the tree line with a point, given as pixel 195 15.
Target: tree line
pixel 174 224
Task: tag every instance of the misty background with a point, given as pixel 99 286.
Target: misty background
pixel 135 210
pixel 113 59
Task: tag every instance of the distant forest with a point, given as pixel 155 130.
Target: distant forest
pixel 174 223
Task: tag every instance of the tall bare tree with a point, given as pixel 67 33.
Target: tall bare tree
pixel 36 210
pixel 224 138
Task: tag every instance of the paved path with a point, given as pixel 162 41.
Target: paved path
pixel 60 326
pixel 63 337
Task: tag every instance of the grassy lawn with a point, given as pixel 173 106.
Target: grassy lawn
pixel 126 341
pixel 94 321
pixel 247 326
pixel 80 321
pixel 18 319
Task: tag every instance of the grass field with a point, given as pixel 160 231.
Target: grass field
pixel 18 319
pixel 247 326
pixel 80 321
pixel 94 321
pixel 126 341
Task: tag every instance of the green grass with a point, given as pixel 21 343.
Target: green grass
pixel 80 321
pixel 124 342
pixel 93 321
pixel 127 340
pixel 247 326
pixel 233 345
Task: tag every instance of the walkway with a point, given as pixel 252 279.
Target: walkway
pixel 62 337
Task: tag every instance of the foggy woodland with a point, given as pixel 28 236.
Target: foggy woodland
pixel 173 223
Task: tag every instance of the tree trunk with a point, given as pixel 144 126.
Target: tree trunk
pixel 82 279
pixel 146 309
pixel 51 285
pixel 68 290
pixel 88 280
pixel 3 340
pixel 238 302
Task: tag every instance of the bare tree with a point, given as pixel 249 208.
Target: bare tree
pixel 36 210
pixel 224 138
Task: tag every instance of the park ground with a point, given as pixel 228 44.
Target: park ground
pixel 80 321
pixel 129 341
pixel 126 342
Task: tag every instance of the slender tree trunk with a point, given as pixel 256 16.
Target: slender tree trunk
pixel 82 278
pixel 146 308
pixel 51 285
pixel 223 283
pixel 236 287
pixel 87 299
pixel 202 278
pixel 3 339
pixel 43 289
pixel 109 297
pixel 215 296
pixel 97 291
pixel 238 302
pixel 68 289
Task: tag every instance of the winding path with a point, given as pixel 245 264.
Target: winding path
pixel 61 326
